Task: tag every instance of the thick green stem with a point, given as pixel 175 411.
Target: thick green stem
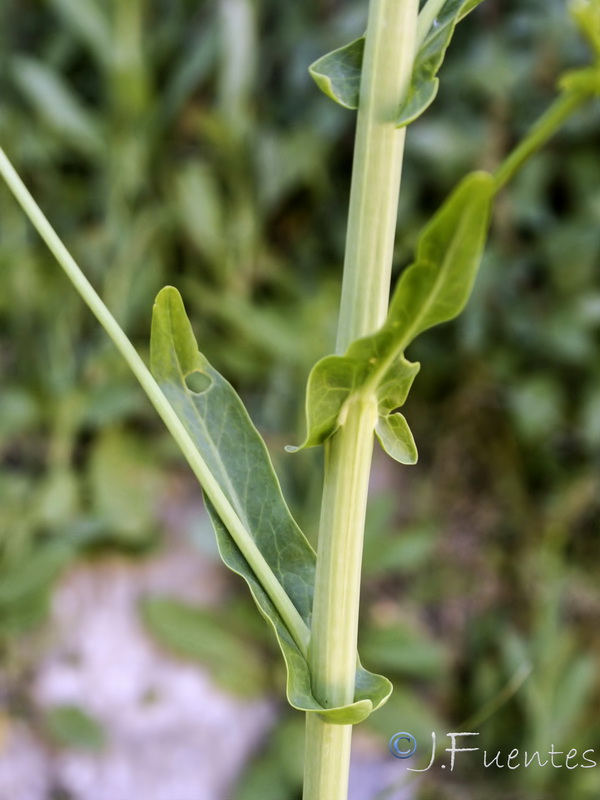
pixel 333 644
pixel 332 650
pixel 376 171
pixel 379 147
pixel 327 759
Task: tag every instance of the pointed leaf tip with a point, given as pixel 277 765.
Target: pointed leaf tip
pixel 237 458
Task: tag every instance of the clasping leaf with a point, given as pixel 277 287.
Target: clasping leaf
pixel 338 73
pixel 237 457
pixel 434 289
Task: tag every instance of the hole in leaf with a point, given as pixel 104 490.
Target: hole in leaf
pixel 197 382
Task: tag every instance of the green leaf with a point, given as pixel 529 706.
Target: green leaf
pixel 58 500
pixel 577 681
pixel 330 383
pixel 392 429
pixel 237 457
pixel 200 634
pixel 437 286
pixel 71 726
pixel 338 73
pixel 199 203
pixel 26 585
pixel 334 380
pixel 434 289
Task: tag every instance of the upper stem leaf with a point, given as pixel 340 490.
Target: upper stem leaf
pixel 338 73
pixel 434 289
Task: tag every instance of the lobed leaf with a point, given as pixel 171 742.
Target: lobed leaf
pixel 334 380
pixel 392 430
pixel 221 429
pixel 338 73
pixel 434 289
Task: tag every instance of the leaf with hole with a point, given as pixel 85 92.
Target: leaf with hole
pixel 237 457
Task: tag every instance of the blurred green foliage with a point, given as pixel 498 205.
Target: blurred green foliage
pixel 179 142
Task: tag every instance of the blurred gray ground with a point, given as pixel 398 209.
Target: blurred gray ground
pixel 172 734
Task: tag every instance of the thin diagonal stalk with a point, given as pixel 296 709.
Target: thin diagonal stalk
pixel 225 510
pixel 542 130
